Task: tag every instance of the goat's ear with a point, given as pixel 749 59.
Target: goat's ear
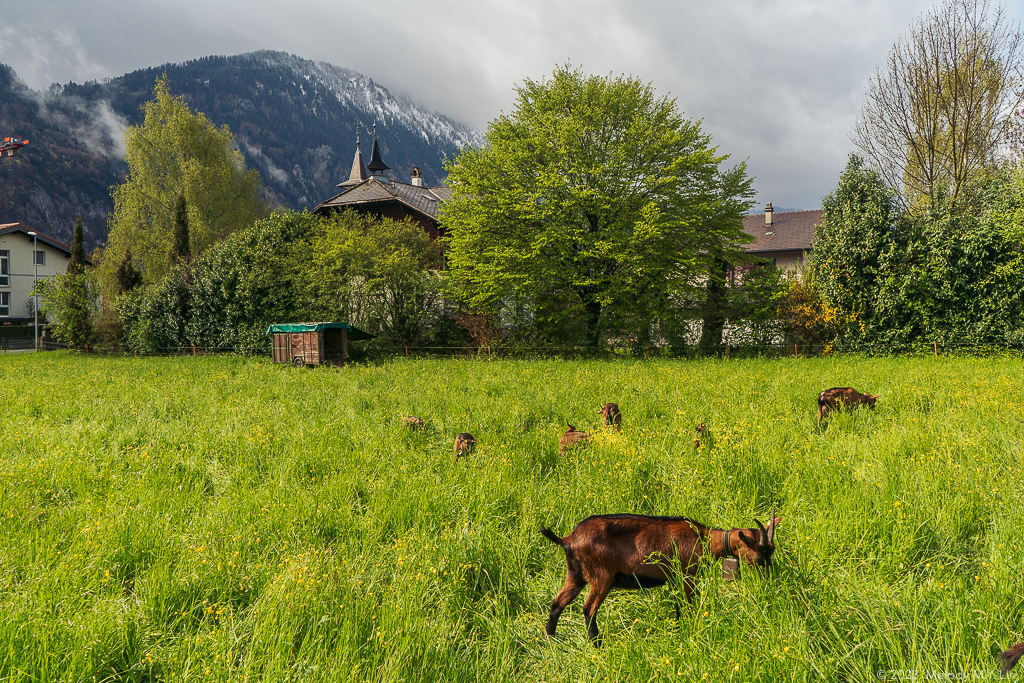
pixel 746 538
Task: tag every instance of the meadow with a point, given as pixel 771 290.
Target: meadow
pixel 223 518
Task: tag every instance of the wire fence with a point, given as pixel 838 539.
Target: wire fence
pixel 723 351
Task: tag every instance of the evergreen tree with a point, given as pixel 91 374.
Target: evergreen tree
pixel 76 266
pixel 180 251
pixel 127 276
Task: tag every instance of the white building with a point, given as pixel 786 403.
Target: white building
pixel 19 269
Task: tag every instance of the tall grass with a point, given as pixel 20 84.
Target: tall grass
pixel 186 519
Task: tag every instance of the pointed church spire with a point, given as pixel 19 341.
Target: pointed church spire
pixel 358 173
pixel 376 165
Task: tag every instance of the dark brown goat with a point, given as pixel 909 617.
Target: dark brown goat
pixel 702 433
pixel 838 397
pixel 1010 657
pixel 464 444
pixel 413 423
pixel 571 438
pixel 636 551
pixel 612 416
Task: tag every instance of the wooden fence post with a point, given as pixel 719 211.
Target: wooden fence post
pixel 935 345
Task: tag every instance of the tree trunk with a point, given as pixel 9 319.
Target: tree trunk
pixel 715 313
pixel 593 338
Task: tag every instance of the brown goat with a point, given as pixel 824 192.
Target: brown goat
pixel 702 432
pixel 636 551
pixel 413 423
pixel 464 444
pixel 1010 657
pixel 838 397
pixel 612 416
pixel 572 438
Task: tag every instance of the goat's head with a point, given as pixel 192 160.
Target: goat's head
pixel 756 546
pixel 871 401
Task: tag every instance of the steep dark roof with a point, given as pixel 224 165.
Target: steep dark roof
pixel 789 231
pixel 376 165
pixel 425 200
pixel 10 228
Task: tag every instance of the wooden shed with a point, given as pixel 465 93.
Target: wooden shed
pixel 304 344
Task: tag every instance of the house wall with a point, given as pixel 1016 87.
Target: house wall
pixel 21 274
pixel 786 260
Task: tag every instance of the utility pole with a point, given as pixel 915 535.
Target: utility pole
pixel 35 294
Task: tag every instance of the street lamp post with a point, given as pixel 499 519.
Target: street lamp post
pixel 35 294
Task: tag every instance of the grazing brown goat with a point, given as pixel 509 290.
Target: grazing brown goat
pixel 572 438
pixel 612 416
pixel 702 431
pixel 1010 657
pixel 838 397
pixel 464 444
pixel 636 551
pixel 413 423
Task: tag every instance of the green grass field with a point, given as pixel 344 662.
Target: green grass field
pixel 222 518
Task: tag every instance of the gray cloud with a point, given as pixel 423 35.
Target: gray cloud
pixel 777 83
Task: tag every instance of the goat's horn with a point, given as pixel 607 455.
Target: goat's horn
pixel 764 532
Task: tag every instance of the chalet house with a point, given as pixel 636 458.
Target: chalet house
pixel 784 238
pixel 378 195
pixel 20 265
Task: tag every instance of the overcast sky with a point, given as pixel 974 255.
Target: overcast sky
pixel 777 83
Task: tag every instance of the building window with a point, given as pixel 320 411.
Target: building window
pixel 40 258
pixel 5 304
pixel 5 273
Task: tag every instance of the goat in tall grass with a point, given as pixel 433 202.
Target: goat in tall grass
pixel 612 415
pixel 636 551
pixel 839 397
pixel 1010 658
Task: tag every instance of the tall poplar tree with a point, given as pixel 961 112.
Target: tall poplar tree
pixel 176 150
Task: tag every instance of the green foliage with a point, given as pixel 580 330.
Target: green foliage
pixel 233 292
pixel 180 250
pixel 377 273
pixel 952 274
pixel 76 264
pixel 594 194
pixel 126 277
pixel 168 517
pixel 860 258
pixel 177 151
pixel 70 303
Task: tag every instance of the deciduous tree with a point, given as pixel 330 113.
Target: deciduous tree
pixel 177 151
pixel 597 194
pixel 942 107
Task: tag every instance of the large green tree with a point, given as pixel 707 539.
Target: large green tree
pixel 177 152
pixel 593 199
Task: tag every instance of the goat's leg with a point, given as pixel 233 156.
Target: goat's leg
pixel 689 586
pixel 598 592
pixel 573 585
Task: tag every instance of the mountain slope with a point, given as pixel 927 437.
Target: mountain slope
pixel 295 120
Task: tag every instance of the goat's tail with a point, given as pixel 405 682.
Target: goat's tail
pixel 555 538
pixel 1010 657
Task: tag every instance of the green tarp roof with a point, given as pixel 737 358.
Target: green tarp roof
pixel 354 333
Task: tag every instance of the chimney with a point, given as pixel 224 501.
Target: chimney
pixel 417 177
pixel 768 214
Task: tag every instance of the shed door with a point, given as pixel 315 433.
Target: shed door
pixel 281 348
